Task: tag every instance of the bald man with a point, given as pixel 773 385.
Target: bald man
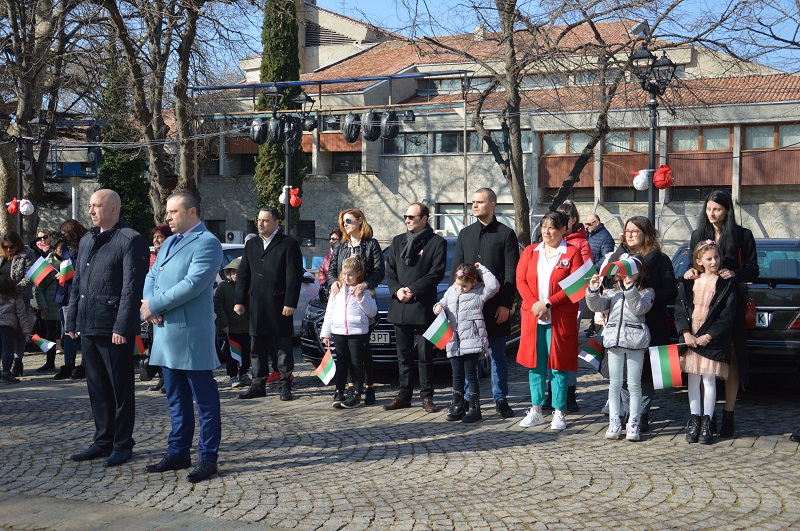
pixel 103 310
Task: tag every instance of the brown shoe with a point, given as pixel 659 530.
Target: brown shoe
pixel 429 406
pixel 397 403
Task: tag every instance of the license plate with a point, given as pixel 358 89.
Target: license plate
pixel 763 319
pixel 379 338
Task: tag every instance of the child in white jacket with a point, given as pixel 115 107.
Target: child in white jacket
pixel 346 321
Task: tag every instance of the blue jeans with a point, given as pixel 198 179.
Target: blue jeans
pixel 497 353
pixel 464 367
pixel 537 378
pixel 616 367
pixel 7 344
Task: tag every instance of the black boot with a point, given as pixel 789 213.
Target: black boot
pixel 79 373
pixel 727 424
pixel 159 384
pixel 644 423
pixel 474 413
pixel 572 401
pixel 16 367
pixel 456 411
pixel 706 437
pixel 693 429
pixel 50 364
pixel 65 373
pixel 548 399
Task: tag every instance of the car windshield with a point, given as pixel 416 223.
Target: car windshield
pixel 779 261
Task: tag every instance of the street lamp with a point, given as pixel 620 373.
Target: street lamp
pixel 286 130
pixel 41 126
pixel 654 76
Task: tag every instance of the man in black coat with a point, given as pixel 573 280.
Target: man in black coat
pixel 268 287
pixel 495 246
pixel 103 308
pixel 415 265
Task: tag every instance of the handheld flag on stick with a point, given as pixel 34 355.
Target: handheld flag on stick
pixel 236 350
pixel 327 368
pixel 42 343
pixel 138 346
pixel 625 267
pixel 39 271
pixel 439 333
pixel 592 353
pixel 575 285
pixel 666 366
pixel 66 271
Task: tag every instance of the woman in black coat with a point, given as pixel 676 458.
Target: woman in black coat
pixel 640 236
pixel 357 240
pixel 739 261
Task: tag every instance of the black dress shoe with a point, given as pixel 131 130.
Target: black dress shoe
pixel 253 392
pixel 503 408
pixel 170 462
pixel 286 394
pixel 93 452
pixel 203 470
pixel 795 437
pixel 118 457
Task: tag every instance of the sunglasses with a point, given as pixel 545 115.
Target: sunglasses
pixel 41 238
pixel 9 247
pixel 406 216
pixel 334 239
pixel 349 221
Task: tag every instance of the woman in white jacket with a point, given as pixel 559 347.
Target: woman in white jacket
pixel 347 320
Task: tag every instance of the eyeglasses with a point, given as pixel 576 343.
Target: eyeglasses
pixel 349 221
pixel 632 232
pixel 591 223
pixel 406 216
pixel 45 237
pixel 9 247
pixel 334 239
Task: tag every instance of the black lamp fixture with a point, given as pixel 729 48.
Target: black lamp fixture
pixel 306 102
pixel 654 75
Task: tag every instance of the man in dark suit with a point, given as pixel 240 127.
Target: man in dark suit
pixel 178 300
pixel 495 246
pixel 268 286
pixel 415 265
pixel 104 309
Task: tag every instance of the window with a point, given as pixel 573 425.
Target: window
pixel 691 194
pixel 717 139
pixel 618 141
pixel 527 140
pixel 585 78
pixel 789 136
pixel 578 195
pixel 332 123
pixel 626 195
pixel 578 141
pixel 759 137
pixel 416 143
pixel 448 142
pixel 248 165
pixel 346 162
pixel 450 85
pixel 213 166
pixel 216 227
pixel 641 141
pixel 684 139
pixel 554 143
pixel 306 233
pixel 393 146
pixel 500 139
pixel 479 84
pixel 474 142
pixel 309 163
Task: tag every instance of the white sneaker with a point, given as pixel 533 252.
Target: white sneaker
pixel 532 418
pixel 632 429
pixel 234 381
pixel 559 422
pixel 605 410
pixel 614 431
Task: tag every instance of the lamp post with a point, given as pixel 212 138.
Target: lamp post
pixel 654 75
pixel 286 130
pixel 41 125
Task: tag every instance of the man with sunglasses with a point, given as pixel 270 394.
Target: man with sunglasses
pixel 415 265
pixel 601 243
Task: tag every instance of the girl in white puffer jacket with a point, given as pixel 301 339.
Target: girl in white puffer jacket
pixel 346 321
pixel 463 304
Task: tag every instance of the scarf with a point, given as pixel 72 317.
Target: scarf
pixel 414 244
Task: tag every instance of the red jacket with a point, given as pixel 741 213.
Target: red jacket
pixel 564 313
pixel 578 239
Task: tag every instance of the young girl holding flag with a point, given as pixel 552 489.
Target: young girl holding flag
pixel 704 317
pixel 13 320
pixel 347 321
pixel 625 337
pixel 463 305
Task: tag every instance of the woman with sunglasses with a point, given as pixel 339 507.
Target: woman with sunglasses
pixel 357 240
pixel 641 237
pixel 322 272
pixel 41 245
pixel 15 261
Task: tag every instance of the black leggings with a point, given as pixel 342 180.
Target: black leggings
pixel 350 353
pixel 465 366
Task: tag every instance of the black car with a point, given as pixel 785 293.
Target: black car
pixel 382 339
pixel 774 344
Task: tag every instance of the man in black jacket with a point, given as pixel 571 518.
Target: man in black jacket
pixel 495 246
pixel 415 265
pixel 103 308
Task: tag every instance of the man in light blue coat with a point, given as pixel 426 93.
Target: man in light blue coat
pixel 178 300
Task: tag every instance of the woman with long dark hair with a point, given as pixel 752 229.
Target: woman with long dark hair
pixel 72 232
pixel 717 222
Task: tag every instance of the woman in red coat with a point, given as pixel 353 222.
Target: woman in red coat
pixel 549 319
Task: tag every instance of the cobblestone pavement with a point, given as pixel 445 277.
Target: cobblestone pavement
pixel 304 465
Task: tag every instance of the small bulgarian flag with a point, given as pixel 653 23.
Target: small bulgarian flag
pixel 625 267
pixel 66 272
pixel 42 343
pixel 236 350
pixel 592 353
pixel 439 333
pixel 39 270
pixel 327 368
pixel 666 366
pixel 138 346
pixel 575 285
